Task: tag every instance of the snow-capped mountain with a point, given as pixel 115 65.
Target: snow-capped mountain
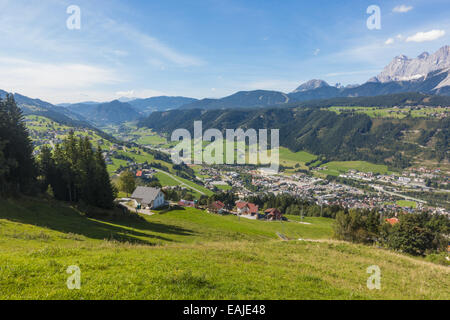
pixel 403 68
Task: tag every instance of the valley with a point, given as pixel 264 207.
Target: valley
pixel 362 182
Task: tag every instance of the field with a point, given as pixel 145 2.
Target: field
pixel 130 132
pixel 407 204
pixel 167 180
pixel 291 159
pixel 398 113
pixel 190 254
pixel 336 168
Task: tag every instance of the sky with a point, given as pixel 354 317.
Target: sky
pixel 204 48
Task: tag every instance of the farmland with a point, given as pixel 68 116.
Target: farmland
pixel 398 113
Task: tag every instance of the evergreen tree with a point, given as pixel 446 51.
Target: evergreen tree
pixel 77 173
pixel 18 171
pixel 105 191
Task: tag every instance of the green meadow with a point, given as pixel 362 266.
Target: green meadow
pixel 397 113
pixel 335 168
pixel 191 254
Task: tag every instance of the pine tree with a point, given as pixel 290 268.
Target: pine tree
pixel 77 173
pixel 20 171
pixel 46 167
pixel 106 193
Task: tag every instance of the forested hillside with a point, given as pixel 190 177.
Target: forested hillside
pixel 75 170
pixel 347 136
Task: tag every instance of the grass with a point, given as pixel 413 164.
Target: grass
pixel 167 180
pixel 189 254
pixel 336 168
pixel 407 204
pixel 397 113
pixel 291 159
pixel 224 187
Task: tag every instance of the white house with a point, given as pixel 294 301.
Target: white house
pixel 151 198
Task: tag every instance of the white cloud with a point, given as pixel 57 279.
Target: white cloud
pixel 154 45
pixel 316 52
pixel 127 94
pixel 389 41
pixel 53 82
pixel 402 9
pixel 426 36
pixel 18 72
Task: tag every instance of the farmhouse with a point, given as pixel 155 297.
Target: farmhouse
pixel 273 214
pixel 217 207
pixel 151 198
pixel 247 208
pixel 186 203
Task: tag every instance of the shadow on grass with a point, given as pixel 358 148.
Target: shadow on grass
pixel 60 217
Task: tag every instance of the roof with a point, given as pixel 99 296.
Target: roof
pixel 392 221
pixel 272 211
pixel 139 174
pixel 145 194
pixel 253 208
pixel 186 203
pixel 217 205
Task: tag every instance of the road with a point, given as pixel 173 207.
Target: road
pixel 379 188
pixel 142 211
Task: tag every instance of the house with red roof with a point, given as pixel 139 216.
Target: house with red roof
pixel 186 203
pixel 392 221
pixel 273 214
pixel 247 208
pixel 217 207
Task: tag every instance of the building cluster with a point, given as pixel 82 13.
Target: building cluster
pixel 382 192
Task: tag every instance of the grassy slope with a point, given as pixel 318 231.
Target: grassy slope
pixel 193 255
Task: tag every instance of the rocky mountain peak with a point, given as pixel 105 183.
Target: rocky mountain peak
pixel 311 85
pixel 404 69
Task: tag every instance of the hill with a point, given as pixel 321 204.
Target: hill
pixel 114 112
pixel 381 101
pixel 163 103
pixel 341 137
pixel 242 99
pixel 190 254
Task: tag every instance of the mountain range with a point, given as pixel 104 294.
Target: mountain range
pixel 427 74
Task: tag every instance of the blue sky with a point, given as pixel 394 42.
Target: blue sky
pixel 204 48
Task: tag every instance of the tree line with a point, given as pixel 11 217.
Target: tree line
pixel 17 166
pixel 415 234
pixel 74 171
